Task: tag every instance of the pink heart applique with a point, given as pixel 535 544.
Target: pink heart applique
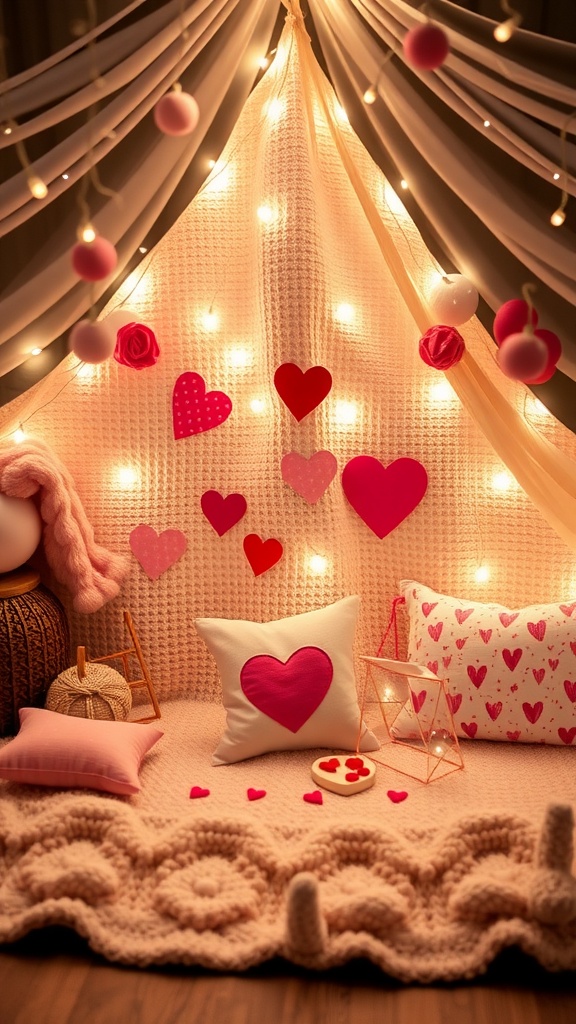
pixel 470 728
pixel 477 675
pixel 513 735
pixel 436 630
pixel 313 798
pixel 537 629
pixel 446 661
pixel 486 634
pixel 567 735
pixel 383 496
pixel 553 662
pixel 288 692
pixel 494 709
pixel 255 794
pixel 507 618
pixel 330 766
pixel 156 552
pixel 511 658
pixel 195 410
pixel 433 666
pixel 396 796
pixel 197 792
pixel 460 642
pixel 418 699
pixel 262 554
pixel 310 478
pixel 538 674
pixel 570 688
pixel 223 512
pixel 462 615
pixel 568 608
pixel 301 391
pixel 454 701
pixel 428 607
pixel 533 711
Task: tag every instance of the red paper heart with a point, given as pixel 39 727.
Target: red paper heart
pixel 533 711
pixel 223 512
pixel 255 794
pixel 470 728
pixel 313 798
pixel 195 410
pixel 494 709
pixel 310 478
pixel 507 618
pixel 302 391
pixel 537 629
pixel 288 692
pixel 396 796
pixel 570 688
pixel 567 735
pixel 354 763
pixel 330 766
pixel 156 552
pixel 352 777
pixel 262 554
pixel 511 658
pixel 418 699
pixel 196 792
pixel 476 675
pixel 383 496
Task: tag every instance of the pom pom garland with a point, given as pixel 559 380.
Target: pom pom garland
pixel 426 46
pixel 95 260
pixel 441 347
pixel 176 113
pixel 523 356
pixel 91 342
pixel 552 341
pixel 512 318
pixel 453 300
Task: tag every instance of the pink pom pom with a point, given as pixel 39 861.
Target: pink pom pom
pixel 522 356
pixel 426 46
pixel 95 260
pixel 554 346
pixel 512 318
pixel 176 113
pixel 91 342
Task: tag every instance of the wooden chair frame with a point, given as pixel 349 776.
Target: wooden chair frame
pixel 124 656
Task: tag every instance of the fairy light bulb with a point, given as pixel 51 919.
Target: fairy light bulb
pixel 211 164
pixel 501 481
pixel 345 413
pixel 486 124
pixel 210 320
pixel 441 391
pixel 266 214
pixel 318 564
pixel 263 63
pixel 341 114
pixel 556 176
pixel 404 183
pixel 36 351
pixel 275 109
pixel 37 187
pixel 370 96
pixel 87 233
pixel 238 358
pixel 344 313
pixel 18 436
pixel 258 406
pixel 7 130
pixel 65 176
pixel 127 477
pixel 558 217
pixel 504 31
pixel 482 574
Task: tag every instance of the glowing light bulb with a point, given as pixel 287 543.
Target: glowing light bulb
pixel 238 358
pixel 370 96
pixel 135 286
pixel 221 177
pixel 344 313
pixel 211 164
pixel 266 214
pixel 318 564
pixel 37 187
pixel 142 249
pixel 556 176
pixel 393 201
pixel 263 62
pixel 210 320
pixel 87 233
pixel 65 176
pixel 275 109
pixel 258 406
pixel 540 408
pixel 18 436
pixel 85 370
pixel 127 477
pixel 7 130
pixel 404 183
pixel 502 481
pixel 441 391
pixel 486 124
pixel 482 574
pixel 558 218
pixel 503 32
pixel 36 351
pixel 341 114
pixel 345 413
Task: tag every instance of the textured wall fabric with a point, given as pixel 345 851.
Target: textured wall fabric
pixel 277 286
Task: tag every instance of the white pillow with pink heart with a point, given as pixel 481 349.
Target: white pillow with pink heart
pixel 288 684
pixel 510 673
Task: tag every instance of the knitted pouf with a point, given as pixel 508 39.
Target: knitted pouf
pixel 34 644
pixel 101 693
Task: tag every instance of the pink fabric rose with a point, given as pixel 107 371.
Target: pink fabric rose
pixel 441 347
pixel 136 346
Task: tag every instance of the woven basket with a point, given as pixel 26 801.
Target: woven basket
pixel 101 693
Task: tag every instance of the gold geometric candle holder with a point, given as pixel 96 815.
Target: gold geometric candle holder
pixel 405 706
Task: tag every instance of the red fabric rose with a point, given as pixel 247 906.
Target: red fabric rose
pixel 441 347
pixel 136 346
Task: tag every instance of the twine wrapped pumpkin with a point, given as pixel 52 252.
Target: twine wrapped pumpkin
pixel 97 692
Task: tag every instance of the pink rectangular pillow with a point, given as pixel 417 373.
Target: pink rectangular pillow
pixel 60 750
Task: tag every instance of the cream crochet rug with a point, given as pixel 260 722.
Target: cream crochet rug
pixel 428 889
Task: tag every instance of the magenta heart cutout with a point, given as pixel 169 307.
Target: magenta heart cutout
pixel 195 410
pixel 383 495
pixel 310 478
pixel 255 794
pixel 396 796
pixel 156 552
pixel 313 798
pixel 289 692
pixel 223 512
pixel 196 793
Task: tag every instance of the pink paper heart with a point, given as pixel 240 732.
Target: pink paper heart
pixel 567 735
pixel 310 478
pixel 418 699
pixel 313 798
pixel 197 792
pixel 568 608
pixel 507 618
pixel 570 688
pixel 396 796
pixel 255 794
pixel 288 692
pixel 156 552
pixel 533 711
pixel 383 496
pixel 223 512
pixel 477 675
pixel 537 629
pixel 454 701
pixel 470 728
pixel 511 658
pixel 428 607
pixel 538 674
pixel 436 630
pixel 462 615
pixel 195 410
pixel 486 634
pixel 494 709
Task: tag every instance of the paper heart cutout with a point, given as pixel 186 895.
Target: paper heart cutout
pixel 255 794
pixel 301 391
pixel 288 692
pixel 396 796
pixel 310 478
pixel 195 410
pixel 567 735
pixel 262 554
pixel 197 792
pixel 511 658
pixel 383 496
pixel 330 766
pixel 223 512
pixel 156 552
pixel 313 798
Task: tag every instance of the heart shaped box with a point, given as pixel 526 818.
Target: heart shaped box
pixel 336 781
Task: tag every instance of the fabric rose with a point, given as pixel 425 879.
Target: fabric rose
pixel 136 346
pixel 441 347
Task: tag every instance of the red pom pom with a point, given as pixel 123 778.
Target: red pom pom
pixel 176 113
pixel 552 342
pixel 95 260
pixel 522 356
pixel 426 46
pixel 91 342
pixel 512 318
pixel 441 347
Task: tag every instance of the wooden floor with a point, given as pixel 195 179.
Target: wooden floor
pixel 52 978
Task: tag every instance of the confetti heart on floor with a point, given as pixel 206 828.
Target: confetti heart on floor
pixel 196 792
pixel 255 794
pixel 396 797
pixel 313 798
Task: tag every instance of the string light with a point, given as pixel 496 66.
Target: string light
pixel 341 114
pixel 486 124
pixel 505 30
pixel 65 176
pixel 127 477
pixel 258 406
pixel 370 96
pixel 345 413
pixel 7 130
pixel 275 109
pixel 318 564
pixel 404 183
pixel 86 233
pixel 344 313
pixel 263 63
pixel 501 481
pixel 441 391
pixel 37 187
pixel 36 351
pixel 266 214
pixel 559 216
pixel 18 436
pixel 211 164
pixel 482 574
pixel 238 358
pixel 210 320
pixel 142 249
pixel 556 175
